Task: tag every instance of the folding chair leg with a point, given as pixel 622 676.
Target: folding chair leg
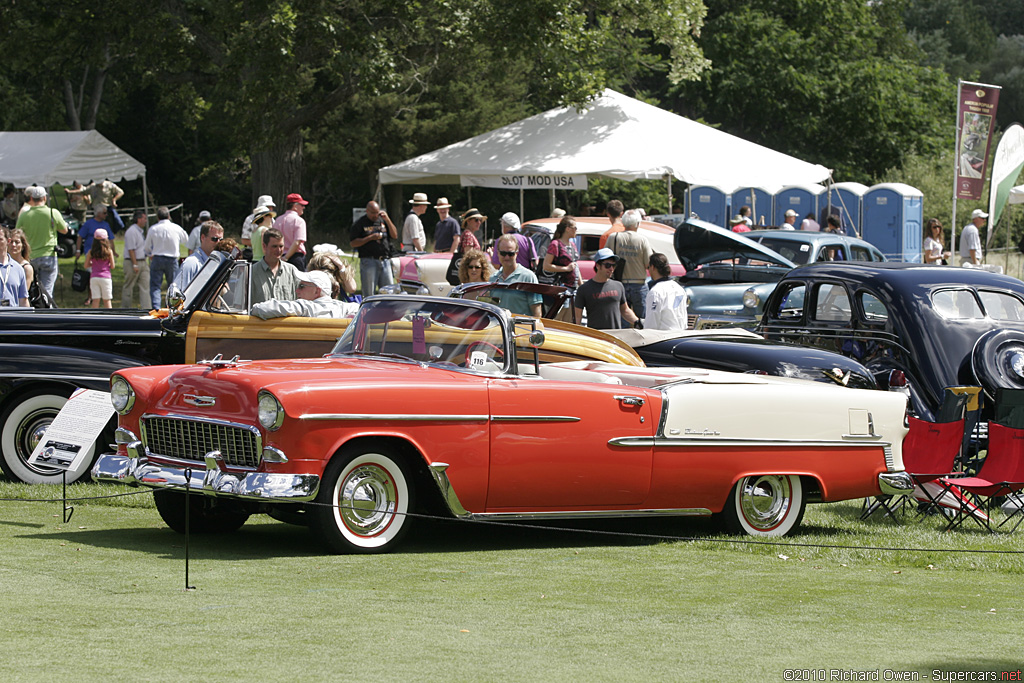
pixel 872 505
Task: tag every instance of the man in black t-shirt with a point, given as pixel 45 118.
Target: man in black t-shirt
pixel 603 298
pixel 371 237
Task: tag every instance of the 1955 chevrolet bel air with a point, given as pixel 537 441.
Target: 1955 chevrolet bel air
pixel 430 403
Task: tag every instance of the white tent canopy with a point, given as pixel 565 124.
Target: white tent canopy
pixel 1017 195
pixel 47 158
pixel 614 136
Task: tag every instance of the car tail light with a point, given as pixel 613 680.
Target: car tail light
pixel 755 372
pixel 897 380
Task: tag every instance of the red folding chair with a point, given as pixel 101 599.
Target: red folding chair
pixel 1001 473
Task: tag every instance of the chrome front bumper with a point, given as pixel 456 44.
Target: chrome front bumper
pixel 213 480
pixel 895 483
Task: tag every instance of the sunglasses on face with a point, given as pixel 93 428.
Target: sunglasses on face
pixel 507 253
pixel 216 239
pixel 474 267
pixel 607 264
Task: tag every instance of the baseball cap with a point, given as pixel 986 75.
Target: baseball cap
pixel 319 279
pixel 100 234
pixel 511 220
pixel 295 198
pixel 36 192
pixel 790 212
pixel 204 215
pixel 603 254
pixel 978 213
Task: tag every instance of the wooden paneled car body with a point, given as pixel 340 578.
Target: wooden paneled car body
pixel 442 404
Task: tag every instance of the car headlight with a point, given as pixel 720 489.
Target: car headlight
pixel 271 414
pixel 751 299
pixel 122 396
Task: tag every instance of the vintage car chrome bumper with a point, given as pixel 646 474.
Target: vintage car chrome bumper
pixel 135 470
pixel 895 483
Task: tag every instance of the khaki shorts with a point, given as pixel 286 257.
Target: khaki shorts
pixel 101 288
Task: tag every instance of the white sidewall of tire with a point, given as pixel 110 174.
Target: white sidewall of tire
pixel 793 513
pixel 13 464
pixel 399 518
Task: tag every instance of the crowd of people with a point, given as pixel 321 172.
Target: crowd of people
pixel 632 285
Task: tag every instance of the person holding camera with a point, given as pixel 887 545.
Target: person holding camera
pixel 371 237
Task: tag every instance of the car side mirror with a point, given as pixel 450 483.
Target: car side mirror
pixel 175 298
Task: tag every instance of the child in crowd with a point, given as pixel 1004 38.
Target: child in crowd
pixel 101 258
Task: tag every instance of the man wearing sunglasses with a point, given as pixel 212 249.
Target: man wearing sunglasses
pixel 210 232
pixel 604 298
pixel 523 303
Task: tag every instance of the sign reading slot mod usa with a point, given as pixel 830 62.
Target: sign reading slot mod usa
pixel 69 438
pixel 526 181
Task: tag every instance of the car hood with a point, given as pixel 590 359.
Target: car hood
pixel 698 242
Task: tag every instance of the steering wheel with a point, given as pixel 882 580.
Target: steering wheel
pixel 498 354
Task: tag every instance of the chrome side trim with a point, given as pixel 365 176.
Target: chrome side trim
pixel 647 442
pixel 534 418
pixel 81 378
pixel 439 472
pixel 862 437
pixel 890 461
pixel 663 420
pixel 364 417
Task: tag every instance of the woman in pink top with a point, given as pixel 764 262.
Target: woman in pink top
pixel 101 259
pixel 471 222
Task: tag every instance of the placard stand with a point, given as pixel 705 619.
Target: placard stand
pixel 188 522
pixel 68 509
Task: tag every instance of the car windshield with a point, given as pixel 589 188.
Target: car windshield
pixel 797 252
pixel 204 275
pixel 554 298
pixel 449 333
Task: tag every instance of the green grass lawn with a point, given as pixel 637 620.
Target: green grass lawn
pixel 103 597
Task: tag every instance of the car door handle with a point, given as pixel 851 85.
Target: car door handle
pixel 630 400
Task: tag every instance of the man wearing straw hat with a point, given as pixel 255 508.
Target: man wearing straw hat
pixel 447 229
pixel 413 236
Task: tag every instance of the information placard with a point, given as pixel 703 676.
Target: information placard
pixel 76 427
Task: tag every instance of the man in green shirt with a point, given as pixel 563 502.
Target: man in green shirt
pixel 41 225
pixel 272 277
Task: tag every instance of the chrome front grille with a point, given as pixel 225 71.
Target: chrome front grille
pixel 187 439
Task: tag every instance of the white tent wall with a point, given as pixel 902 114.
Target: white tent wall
pixel 615 136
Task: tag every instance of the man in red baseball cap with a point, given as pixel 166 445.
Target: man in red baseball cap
pixel 293 227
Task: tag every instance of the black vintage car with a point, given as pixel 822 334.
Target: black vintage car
pixel 45 354
pixel 728 349
pixel 928 327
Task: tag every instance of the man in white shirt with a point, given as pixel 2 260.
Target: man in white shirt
pixel 210 233
pixel 136 268
pixel 666 299
pixel 970 239
pixel 163 245
pixel 414 237
pixel 790 220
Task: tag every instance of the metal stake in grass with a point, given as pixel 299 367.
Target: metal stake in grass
pixel 188 523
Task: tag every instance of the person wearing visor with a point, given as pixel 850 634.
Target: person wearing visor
pixel 603 298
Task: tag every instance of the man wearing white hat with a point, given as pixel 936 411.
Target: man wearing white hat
pixel 970 239
pixel 313 300
pixel 447 229
pixel 790 221
pixel 247 226
pixel 413 236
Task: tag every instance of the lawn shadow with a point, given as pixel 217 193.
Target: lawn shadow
pixel 430 535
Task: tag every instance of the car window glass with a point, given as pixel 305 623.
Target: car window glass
pixel 797 252
pixel 956 304
pixel 832 303
pixel 832 252
pixel 791 304
pixel 860 253
pixel 1002 306
pixel 874 310
pixel 589 244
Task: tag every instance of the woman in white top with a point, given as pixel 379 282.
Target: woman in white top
pixel 933 252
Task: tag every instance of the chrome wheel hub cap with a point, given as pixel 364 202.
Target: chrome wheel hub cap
pixel 765 501
pixel 367 500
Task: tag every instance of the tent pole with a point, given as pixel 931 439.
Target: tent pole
pixel 520 203
pixel 668 191
pixel 551 202
pixel 145 197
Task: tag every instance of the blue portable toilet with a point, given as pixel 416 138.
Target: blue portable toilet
pixel 760 201
pixel 846 199
pixel 801 198
pixel 892 215
pixel 710 204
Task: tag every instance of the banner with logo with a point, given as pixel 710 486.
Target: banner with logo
pixel 976 117
pixel 526 181
pixel 1006 166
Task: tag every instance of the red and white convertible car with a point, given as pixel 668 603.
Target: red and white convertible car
pixel 429 403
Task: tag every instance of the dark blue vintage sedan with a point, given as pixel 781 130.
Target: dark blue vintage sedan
pixel 935 326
